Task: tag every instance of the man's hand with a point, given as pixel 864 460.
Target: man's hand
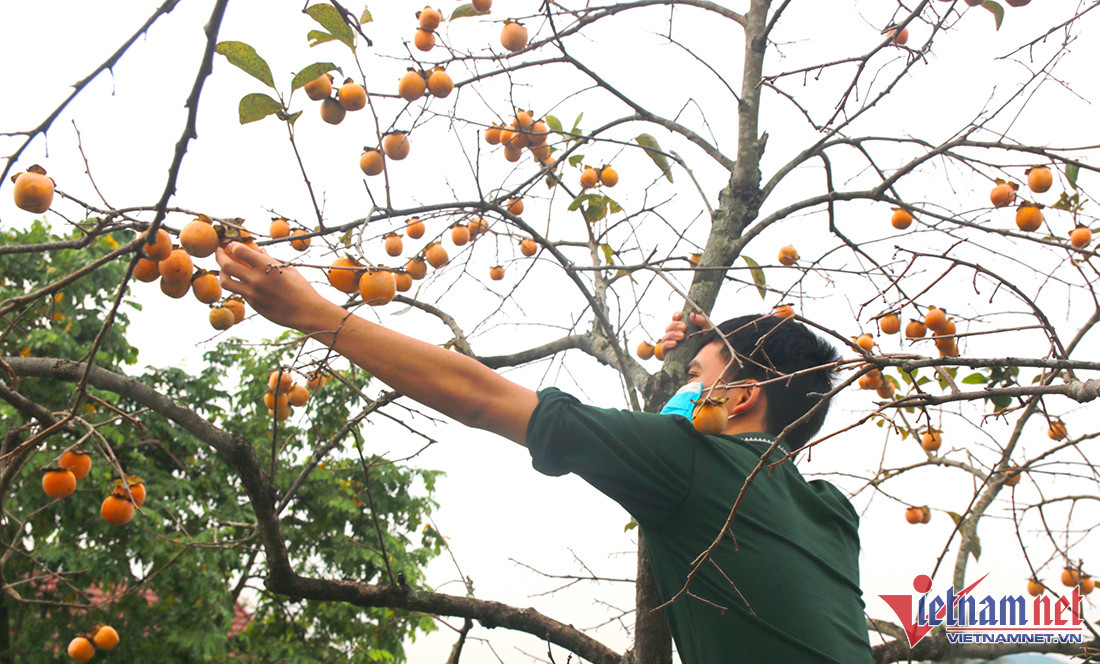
pixel 278 293
pixel 674 333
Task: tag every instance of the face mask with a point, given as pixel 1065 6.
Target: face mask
pixel 681 403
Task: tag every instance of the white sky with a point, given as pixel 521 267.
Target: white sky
pixel 494 508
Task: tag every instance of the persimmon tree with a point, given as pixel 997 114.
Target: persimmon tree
pixel 630 158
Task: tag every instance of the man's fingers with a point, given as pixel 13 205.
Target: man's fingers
pixel 677 315
pixel 247 255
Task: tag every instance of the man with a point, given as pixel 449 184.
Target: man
pixel 781 586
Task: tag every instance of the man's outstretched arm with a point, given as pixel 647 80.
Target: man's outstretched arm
pixel 453 384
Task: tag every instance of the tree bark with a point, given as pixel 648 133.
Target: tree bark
pixel 652 640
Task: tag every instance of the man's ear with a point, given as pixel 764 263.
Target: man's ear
pixel 749 398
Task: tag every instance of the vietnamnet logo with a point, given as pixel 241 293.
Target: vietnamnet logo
pixel 970 618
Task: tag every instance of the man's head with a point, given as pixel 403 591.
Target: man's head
pixel 768 348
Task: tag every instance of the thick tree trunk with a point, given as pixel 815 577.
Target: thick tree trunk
pixel 652 640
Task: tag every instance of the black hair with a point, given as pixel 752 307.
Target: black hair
pixel 770 347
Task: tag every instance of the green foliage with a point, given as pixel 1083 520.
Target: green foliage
pixel 172 572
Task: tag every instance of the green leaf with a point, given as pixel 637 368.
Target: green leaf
pixel 613 206
pixel 955 517
pixel 257 106
pixel 465 11
pixel 311 72
pixel 976 548
pixel 576 204
pixel 757 276
pixel 596 210
pixel 1072 171
pixel 997 10
pixel 1001 401
pixel 293 117
pixel 577 123
pixel 608 253
pixel 631 525
pixel 554 123
pixel 365 17
pixel 246 58
pixel 330 19
pixel 318 37
pixel 653 149
pixel 576 159
pixel 975 379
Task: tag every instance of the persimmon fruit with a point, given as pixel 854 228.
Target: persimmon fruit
pixel 460 235
pixel 416 268
pixel 371 162
pixel 332 111
pixel 160 248
pixel 236 305
pixel 117 509
pixel 1057 430
pixel 528 247
pixel 659 351
pixel 515 206
pixel 199 238
pixel 424 40
pixel 429 18
pixel 59 483
pixel 280 381
pixel 931 440
pixel 1070 577
pixel 299 243
pixel 482 6
pixel 935 319
pixel 783 311
pixel 436 255
pixel 1080 237
pixel 513 36
pixel 788 255
pixel 396 145
pixel 392 243
pixel 866 342
pixel 403 280
pixel 492 135
pixel 81 649
pixel 710 416
pixel 440 83
pixel 298 395
pixel 377 287
pixel 279 228
pixel 1039 179
pixel 915 329
pixel 319 88
pixel 590 177
pixel 175 289
pixel 412 86
pixel 352 96
pixel 1034 588
pixel 177 266
pixel 1029 217
pixel 221 318
pixel 414 228
pixel 609 177
pixel 78 461
pixel 1003 194
pixel 901 219
pixel 33 190
pixel 206 286
pixel 477 226
pixel 889 324
pixel 644 350
pixel 146 270
pixel 105 637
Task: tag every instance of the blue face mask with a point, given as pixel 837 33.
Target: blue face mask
pixel 682 403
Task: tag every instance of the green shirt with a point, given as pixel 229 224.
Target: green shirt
pixel 794 551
